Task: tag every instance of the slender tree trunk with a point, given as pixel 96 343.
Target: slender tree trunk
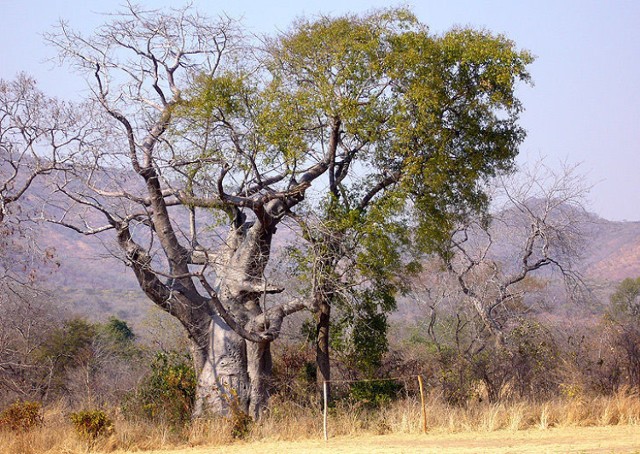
pixel 323 362
pixel 323 297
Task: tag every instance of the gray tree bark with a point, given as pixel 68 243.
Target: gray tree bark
pixel 232 371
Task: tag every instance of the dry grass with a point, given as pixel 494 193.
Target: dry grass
pixel 288 422
pixel 610 439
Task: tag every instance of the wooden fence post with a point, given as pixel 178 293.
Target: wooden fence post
pixel 424 407
pixel 325 392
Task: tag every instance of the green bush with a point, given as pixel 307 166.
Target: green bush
pixel 375 393
pixel 21 416
pixel 167 394
pixel 92 423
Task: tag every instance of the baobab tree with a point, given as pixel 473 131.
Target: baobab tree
pixel 145 176
pixel 202 133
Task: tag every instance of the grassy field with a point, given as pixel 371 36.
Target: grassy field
pixel 598 424
pixel 611 439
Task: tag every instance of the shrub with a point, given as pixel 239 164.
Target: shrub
pixel 241 422
pixel 92 423
pixel 167 394
pixel 21 416
pixel 375 393
pixel 294 373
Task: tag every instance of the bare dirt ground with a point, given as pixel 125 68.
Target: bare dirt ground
pixel 611 439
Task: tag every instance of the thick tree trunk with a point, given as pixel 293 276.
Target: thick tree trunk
pixel 223 380
pixel 260 368
pixel 236 372
pixel 233 375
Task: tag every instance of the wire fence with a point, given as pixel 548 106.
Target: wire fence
pixel 405 380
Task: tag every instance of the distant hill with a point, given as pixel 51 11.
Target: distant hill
pixel 608 251
pixel 93 282
pixel 613 251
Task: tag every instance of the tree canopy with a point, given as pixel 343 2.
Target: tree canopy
pixel 626 298
pixel 367 130
pixel 413 125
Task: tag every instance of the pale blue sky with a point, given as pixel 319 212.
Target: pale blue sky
pixel 584 107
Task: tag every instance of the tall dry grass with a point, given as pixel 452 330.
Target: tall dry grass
pixel 287 421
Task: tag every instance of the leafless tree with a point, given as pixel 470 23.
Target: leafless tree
pixel 38 136
pixel 480 306
pixel 156 177
pixel 538 223
pixel 28 318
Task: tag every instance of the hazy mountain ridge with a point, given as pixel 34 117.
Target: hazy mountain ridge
pixel 93 282
pixel 606 251
pixel 613 251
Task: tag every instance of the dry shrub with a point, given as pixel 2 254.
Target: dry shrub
pixel 21 416
pixel 57 435
pixel 211 431
pixel 286 420
pixel 516 417
pixel 52 437
pixel 405 416
pixel 91 424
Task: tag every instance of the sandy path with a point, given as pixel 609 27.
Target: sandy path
pixel 612 439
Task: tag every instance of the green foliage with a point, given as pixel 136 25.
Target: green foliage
pixel 71 342
pixel 625 300
pixel 336 66
pixel 67 348
pixel 80 343
pixel 359 331
pixel 21 416
pixel 433 116
pixel 221 96
pixel 370 340
pixel 119 331
pixel 425 120
pixel 166 394
pixel 457 122
pixel 533 358
pixel 118 339
pixel 92 424
pixel 454 375
pixel 375 393
pixel 405 128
